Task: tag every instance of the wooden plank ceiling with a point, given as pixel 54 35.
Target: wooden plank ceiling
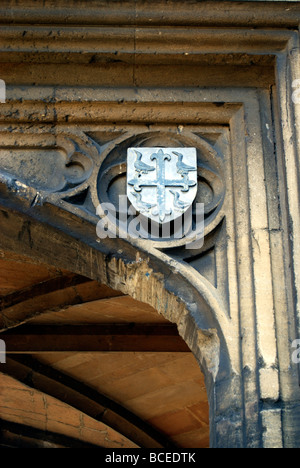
pixel 90 367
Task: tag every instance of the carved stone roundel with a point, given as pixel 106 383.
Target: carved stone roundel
pixel 121 163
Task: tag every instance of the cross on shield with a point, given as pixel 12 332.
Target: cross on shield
pixel 162 182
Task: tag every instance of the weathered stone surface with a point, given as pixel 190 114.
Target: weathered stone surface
pixel 77 101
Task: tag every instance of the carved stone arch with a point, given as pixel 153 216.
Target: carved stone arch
pixel 148 277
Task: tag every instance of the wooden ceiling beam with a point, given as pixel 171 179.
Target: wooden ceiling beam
pixel 29 339
pixel 19 307
pixel 45 287
pixel 15 435
pixel 47 380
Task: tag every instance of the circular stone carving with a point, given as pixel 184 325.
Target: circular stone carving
pixel 211 190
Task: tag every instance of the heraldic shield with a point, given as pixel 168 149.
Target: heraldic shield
pixel 162 182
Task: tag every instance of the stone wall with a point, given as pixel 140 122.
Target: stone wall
pixel 198 75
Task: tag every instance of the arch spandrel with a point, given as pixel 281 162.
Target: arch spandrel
pixel 141 268
pixel 145 276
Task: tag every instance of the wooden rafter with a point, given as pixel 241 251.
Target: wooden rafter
pixel 21 306
pixel 15 435
pixel 94 338
pixel 40 289
pixel 85 399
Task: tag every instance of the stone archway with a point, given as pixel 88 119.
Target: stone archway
pixel 92 366
pixel 146 279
